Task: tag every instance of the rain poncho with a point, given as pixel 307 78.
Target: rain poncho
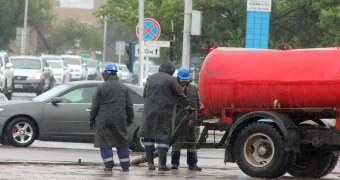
pixel 112 110
pixel 160 93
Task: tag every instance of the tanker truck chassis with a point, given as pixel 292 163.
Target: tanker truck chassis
pixel 269 142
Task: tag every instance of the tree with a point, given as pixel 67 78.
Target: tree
pixel 11 17
pixel 68 34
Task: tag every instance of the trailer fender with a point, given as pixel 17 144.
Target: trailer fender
pixel 286 126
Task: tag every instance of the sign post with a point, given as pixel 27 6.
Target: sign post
pixel 120 50
pixel 151 31
pixel 141 39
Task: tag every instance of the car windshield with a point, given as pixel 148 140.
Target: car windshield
pixel 19 63
pixel 72 61
pixel 90 63
pixel 54 65
pixel 52 58
pixel 52 93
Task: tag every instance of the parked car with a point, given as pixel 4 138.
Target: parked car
pixel 61 73
pixel 60 114
pixel 124 74
pixel 77 67
pixel 6 75
pixel 152 70
pixel 31 74
pixel 92 69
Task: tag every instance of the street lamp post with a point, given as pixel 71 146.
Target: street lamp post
pixel 141 41
pixel 104 44
pixel 186 33
pixel 23 47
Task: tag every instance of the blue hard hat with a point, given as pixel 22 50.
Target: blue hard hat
pixel 111 67
pixel 183 73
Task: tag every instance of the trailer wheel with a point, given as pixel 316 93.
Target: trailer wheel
pixel 259 151
pixel 313 164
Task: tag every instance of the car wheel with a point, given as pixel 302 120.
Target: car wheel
pixel 50 86
pixel 138 142
pixel 9 93
pixel 21 132
pixel 41 90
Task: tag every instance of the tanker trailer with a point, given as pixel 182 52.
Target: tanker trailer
pixel 279 109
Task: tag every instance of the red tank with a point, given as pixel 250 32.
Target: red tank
pixel 254 78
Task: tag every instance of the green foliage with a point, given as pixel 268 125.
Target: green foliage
pixel 300 23
pixel 11 18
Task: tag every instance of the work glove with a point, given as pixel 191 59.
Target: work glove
pixel 92 124
pixel 191 110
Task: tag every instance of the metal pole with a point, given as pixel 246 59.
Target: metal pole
pixel 147 67
pixel 141 43
pixel 120 53
pixel 172 42
pixel 23 48
pixel 104 45
pixel 186 33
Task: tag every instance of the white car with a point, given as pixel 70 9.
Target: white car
pixel 61 73
pixel 124 73
pixel 6 75
pixel 92 69
pixel 77 67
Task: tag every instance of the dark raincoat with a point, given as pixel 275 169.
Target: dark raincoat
pixel 160 93
pixel 188 133
pixel 112 110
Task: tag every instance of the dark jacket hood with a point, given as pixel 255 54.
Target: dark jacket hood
pixel 108 75
pixel 167 67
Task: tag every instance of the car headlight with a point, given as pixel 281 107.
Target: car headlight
pixel 1 109
pixel 37 77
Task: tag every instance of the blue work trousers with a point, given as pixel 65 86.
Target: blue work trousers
pixel 123 155
pixel 163 145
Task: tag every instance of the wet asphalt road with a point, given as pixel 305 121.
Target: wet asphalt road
pixel 34 163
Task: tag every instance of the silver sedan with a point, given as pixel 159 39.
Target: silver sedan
pixel 60 114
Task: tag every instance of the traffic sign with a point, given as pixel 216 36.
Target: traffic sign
pixel 152 29
pixel 152 52
pixel 120 48
pixel 85 54
pixel 157 43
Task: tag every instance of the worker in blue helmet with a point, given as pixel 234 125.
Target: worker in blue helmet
pixel 111 113
pixel 188 134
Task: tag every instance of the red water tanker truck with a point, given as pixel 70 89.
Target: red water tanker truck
pixel 279 109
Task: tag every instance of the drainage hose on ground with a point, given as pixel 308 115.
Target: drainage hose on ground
pixel 174 137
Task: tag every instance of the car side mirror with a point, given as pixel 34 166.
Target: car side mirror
pixel 56 100
pixel 9 65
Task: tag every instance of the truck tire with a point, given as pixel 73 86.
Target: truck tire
pixel 313 164
pixel 259 151
pixel 331 167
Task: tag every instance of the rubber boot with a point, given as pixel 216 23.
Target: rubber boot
pixel 162 162
pixel 149 157
pixel 194 168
